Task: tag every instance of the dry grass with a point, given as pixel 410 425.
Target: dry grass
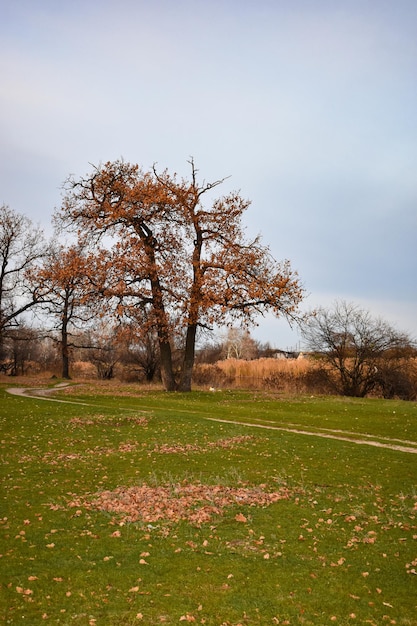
pixel 304 375
pixel 261 369
pixel 300 375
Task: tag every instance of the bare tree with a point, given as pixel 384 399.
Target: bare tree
pixel 355 345
pixel 210 353
pixel 238 344
pixel 22 245
pixel 21 348
pixel 142 352
pixel 104 346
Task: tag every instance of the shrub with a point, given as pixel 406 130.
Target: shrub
pixel 398 382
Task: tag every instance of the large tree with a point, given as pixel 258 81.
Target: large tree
pixel 190 265
pixel 363 351
pixel 22 245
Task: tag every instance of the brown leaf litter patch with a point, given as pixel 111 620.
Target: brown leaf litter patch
pixel 58 458
pixel 61 458
pixel 103 420
pixel 195 503
pixel 180 448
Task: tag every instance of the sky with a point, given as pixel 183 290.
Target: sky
pixel 309 106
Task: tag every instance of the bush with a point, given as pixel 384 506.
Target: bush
pixel 398 382
pixel 363 352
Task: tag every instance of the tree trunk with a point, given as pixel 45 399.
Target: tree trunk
pixel 167 374
pixel 65 356
pixel 188 363
pixel 194 305
pixel 64 344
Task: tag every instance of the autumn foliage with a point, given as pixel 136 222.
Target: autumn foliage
pixel 66 293
pixel 162 256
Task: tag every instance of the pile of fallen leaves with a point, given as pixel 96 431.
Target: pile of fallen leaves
pixel 195 503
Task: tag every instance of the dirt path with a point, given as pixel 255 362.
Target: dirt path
pixel 326 435
pixel 42 393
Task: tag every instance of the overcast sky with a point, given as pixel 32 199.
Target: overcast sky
pixel 309 105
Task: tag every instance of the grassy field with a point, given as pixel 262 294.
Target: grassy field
pixel 125 507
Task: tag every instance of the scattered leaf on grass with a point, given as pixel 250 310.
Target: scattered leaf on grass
pixel 25 592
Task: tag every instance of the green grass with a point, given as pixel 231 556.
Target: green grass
pixel 339 549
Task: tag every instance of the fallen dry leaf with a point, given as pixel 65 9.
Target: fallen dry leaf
pixel 25 592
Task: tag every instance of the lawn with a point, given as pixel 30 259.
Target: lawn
pixel 123 506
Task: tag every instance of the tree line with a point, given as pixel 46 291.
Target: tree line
pixel 147 253
pixel 143 263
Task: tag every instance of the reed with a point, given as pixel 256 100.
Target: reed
pixel 282 375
